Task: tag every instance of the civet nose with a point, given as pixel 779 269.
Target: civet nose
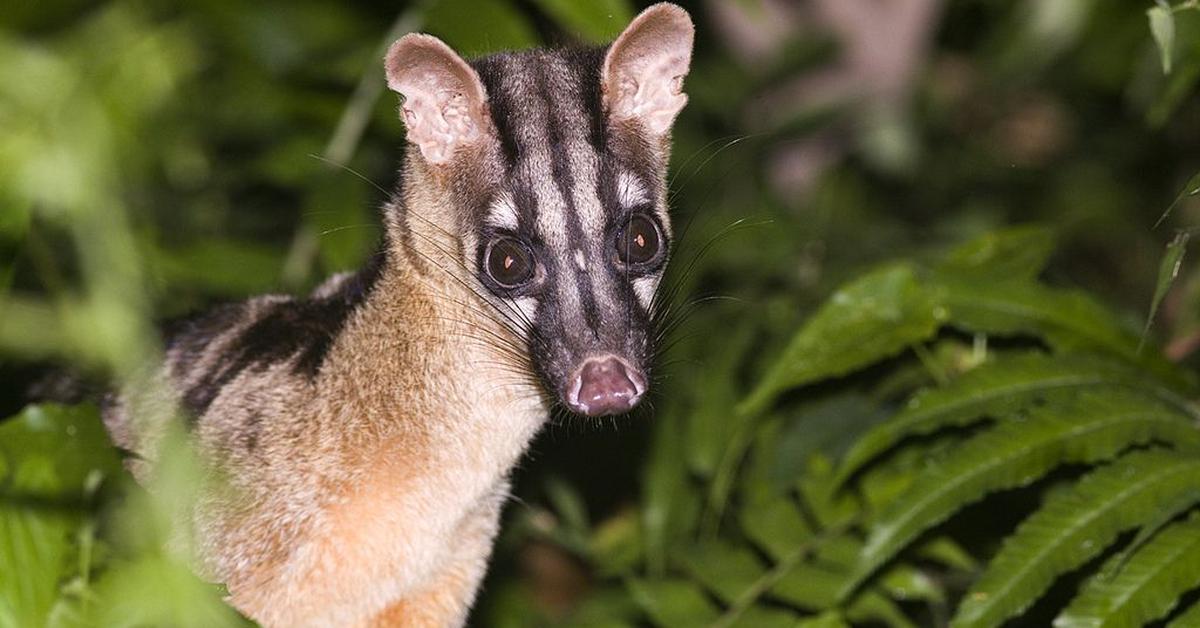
pixel 605 385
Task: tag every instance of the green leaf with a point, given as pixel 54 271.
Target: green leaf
pixel 52 458
pixel 828 619
pixel 595 21
pixel 775 525
pixel 1073 526
pixel 1162 28
pixel 477 27
pixel 1146 588
pixel 1012 254
pixel 1168 270
pixel 1189 618
pixel 672 602
pixel 999 386
pixel 724 569
pixel 1068 320
pixel 872 318
pixel 1084 428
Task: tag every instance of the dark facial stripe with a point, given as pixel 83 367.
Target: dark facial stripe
pixel 565 180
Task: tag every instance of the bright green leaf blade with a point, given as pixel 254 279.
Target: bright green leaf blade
pixel 1162 28
pixel 775 525
pixel 1168 270
pixel 1087 428
pixel 595 21
pixel 1072 527
pixel 672 602
pixel 997 387
pixel 1146 588
pixel 724 569
pixel 872 318
pixel 1012 254
pixel 51 459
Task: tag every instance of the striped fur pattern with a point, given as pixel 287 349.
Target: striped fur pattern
pixel 363 434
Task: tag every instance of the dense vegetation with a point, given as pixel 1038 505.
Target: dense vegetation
pixel 937 359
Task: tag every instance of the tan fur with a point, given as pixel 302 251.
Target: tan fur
pixel 390 433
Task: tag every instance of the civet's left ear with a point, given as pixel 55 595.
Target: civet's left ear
pixel 644 69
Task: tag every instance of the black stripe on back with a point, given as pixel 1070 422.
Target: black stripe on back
pixel 302 330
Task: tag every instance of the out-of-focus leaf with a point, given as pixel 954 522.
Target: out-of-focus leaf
pixel 1162 27
pixel 874 317
pixel 726 570
pixel 223 267
pixel 596 21
pixel 1012 254
pixel 672 602
pixel 776 526
pixel 52 458
pixel 476 27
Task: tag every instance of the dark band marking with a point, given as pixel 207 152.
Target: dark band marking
pixel 564 179
pixel 299 330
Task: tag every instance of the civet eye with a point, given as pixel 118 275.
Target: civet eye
pixel 509 263
pixel 638 241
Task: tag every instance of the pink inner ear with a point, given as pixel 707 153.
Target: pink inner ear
pixel 438 123
pixel 644 68
pixel 442 96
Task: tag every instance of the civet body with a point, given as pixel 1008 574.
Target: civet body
pixel 362 436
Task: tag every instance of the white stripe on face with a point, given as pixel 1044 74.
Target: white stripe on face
pixel 630 192
pixel 502 213
pixel 644 288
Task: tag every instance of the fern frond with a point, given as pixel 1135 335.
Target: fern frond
pixel 1072 527
pixel 1067 320
pixel 1088 428
pixel 1146 588
pixel 997 387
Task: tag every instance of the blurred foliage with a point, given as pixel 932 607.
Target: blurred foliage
pixel 962 435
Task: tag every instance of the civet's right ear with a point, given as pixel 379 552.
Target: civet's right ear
pixel 644 68
pixel 445 105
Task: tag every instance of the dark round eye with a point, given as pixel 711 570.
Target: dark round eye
pixel 509 263
pixel 638 242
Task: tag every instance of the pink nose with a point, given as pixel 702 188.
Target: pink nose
pixel 605 385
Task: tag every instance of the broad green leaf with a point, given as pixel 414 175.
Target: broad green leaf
pixel 1146 588
pixel 726 570
pixel 872 318
pixel 1012 254
pixel 672 602
pixel 52 458
pixel 997 387
pixel 1162 27
pixel 1073 526
pixel 596 21
pixel 1168 270
pixel 1084 428
pixel 776 526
